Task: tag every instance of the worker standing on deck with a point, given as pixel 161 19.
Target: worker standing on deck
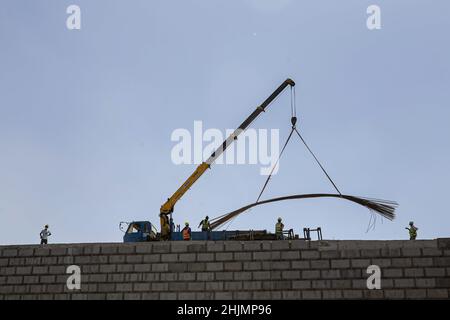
pixel 186 232
pixel 165 227
pixel 412 231
pixel 279 229
pixel 172 225
pixel 45 234
pixel 205 224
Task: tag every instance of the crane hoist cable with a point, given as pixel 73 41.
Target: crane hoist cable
pixel 317 160
pixel 385 208
pixel 275 165
pixel 294 128
pixel 293 120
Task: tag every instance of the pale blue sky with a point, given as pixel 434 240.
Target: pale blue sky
pixel 86 116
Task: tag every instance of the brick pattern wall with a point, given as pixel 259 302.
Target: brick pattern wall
pixel 229 270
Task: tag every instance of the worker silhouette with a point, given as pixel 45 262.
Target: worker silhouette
pixel 172 225
pixel 165 226
pixel 45 233
pixel 412 231
pixel 205 224
pixel 279 230
pixel 186 232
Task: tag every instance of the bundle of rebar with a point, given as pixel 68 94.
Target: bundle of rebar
pixel 385 208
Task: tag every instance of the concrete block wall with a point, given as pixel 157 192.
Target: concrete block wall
pixel 228 270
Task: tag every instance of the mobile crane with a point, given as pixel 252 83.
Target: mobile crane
pixel 168 207
pixel 144 231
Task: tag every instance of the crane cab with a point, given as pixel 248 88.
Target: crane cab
pixel 140 231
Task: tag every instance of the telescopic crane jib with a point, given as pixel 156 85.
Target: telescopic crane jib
pixel 168 207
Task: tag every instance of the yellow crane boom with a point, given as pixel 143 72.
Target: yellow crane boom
pixel 168 207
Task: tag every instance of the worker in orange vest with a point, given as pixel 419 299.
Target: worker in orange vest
pixel 186 232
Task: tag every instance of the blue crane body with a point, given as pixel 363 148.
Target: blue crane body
pixel 143 231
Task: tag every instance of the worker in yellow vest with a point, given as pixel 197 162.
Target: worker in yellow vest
pixel 412 231
pixel 279 229
pixel 205 224
pixel 186 232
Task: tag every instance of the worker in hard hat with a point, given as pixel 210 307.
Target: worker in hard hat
pixel 45 233
pixel 412 231
pixel 279 229
pixel 186 232
pixel 205 224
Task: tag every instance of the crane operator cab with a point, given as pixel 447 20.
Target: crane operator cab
pixel 138 231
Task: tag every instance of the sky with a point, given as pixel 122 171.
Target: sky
pixel 86 116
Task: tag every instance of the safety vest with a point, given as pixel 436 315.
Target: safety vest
pixel 187 233
pixel 279 228
pixel 205 224
pixel 413 231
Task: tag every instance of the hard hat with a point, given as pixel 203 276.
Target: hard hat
pixel 186 223
pixel 279 219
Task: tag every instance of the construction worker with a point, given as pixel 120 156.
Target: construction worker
pixel 412 231
pixel 45 234
pixel 165 227
pixel 186 232
pixel 205 224
pixel 279 229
